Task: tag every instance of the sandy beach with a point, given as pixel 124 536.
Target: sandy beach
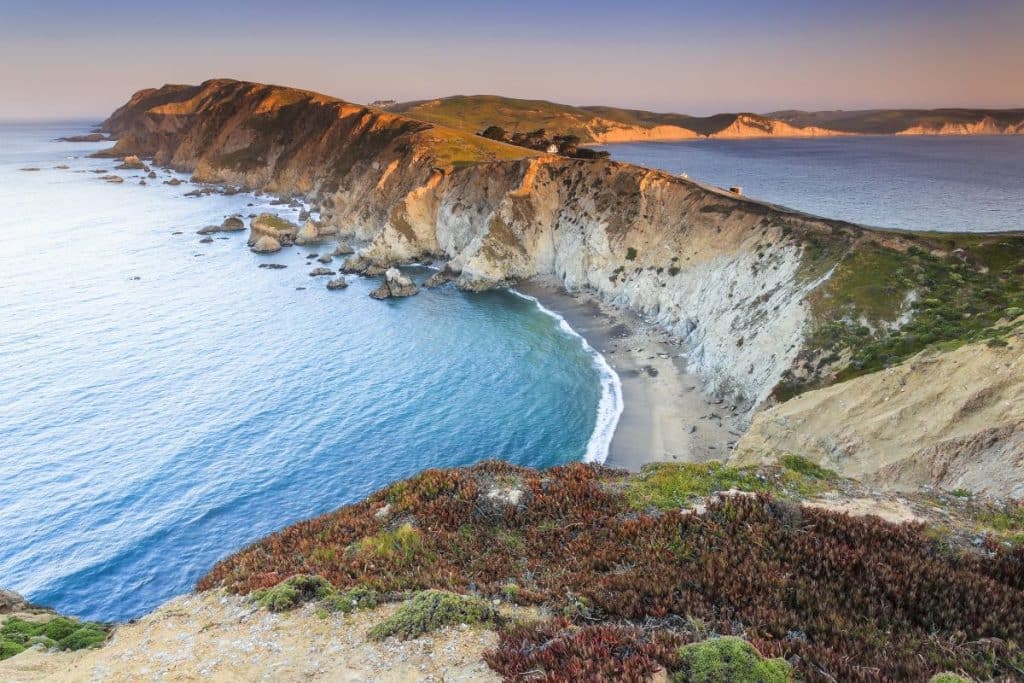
pixel 667 415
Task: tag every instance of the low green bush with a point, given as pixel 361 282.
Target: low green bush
pixel 729 660
pixel 433 609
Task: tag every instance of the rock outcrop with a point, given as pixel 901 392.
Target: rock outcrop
pixel 394 285
pixel 269 225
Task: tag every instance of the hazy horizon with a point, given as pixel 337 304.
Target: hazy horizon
pixel 83 61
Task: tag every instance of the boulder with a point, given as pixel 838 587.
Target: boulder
pixel 270 225
pixel 394 285
pixel 326 258
pixel 131 163
pixel 232 223
pixel 266 245
pixel 206 240
pixel 173 182
pixel 316 272
pixel 208 230
pixel 151 174
pixel 11 602
pixel 443 276
pixel 337 283
pixel 343 249
pixel 113 178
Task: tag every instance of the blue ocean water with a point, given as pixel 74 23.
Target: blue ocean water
pixel 150 426
pixel 973 184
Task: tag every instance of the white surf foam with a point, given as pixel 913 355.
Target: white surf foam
pixel 609 408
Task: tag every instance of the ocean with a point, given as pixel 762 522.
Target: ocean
pixel 166 402
pixel 972 184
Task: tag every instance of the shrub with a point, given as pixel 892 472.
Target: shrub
pixel 87 636
pixel 354 599
pixel 433 609
pixel 293 592
pixel 630 254
pixel 947 677
pixel 9 648
pixel 806 467
pixel 729 660
pixel 61 632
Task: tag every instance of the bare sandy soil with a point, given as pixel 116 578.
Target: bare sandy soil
pixel 221 638
pixel 947 420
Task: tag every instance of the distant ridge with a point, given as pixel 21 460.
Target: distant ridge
pixel 601 124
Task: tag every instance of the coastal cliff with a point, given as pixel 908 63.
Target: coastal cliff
pixel 768 301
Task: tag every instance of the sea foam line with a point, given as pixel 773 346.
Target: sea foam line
pixel 609 408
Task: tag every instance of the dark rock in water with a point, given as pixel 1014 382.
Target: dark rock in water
pixel 62 167
pixel 30 168
pixel 343 249
pixel 177 232
pixel 326 258
pixel 223 238
pixel 337 283
pixel 135 277
pixel 232 223
pixel 312 254
pixel 443 276
pixel 316 272
pixel 303 215
pixel 97 170
pixel 206 240
pixel 208 230
pixel 299 289
pixel 89 137
pixel 395 285
pixel 113 179
pixel 142 182
pixel 172 182
pixel 151 174
pixel 273 266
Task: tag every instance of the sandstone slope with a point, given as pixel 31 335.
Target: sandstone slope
pixel 951 420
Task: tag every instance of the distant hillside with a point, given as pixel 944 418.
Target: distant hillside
pixel 599 124
pixel 909 121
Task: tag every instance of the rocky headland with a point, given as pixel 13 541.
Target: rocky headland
pixel 767 302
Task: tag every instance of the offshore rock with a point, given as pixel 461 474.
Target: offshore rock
pixel 270 225
pixel 337 283
pixel 266 245
pixel 395 285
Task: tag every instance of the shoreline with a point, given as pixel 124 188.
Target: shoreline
pixel 666 414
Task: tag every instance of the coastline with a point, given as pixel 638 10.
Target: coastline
pixel 666 414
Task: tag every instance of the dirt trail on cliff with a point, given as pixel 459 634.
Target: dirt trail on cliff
pixel 950 420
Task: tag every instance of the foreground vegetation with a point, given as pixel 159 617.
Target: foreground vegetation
pixel 60 633
pixel 628 576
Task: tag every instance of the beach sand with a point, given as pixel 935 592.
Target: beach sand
pixel 667 415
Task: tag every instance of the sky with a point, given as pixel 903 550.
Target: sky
pixel 64 59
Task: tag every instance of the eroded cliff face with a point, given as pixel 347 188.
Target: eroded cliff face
pixel 731 276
